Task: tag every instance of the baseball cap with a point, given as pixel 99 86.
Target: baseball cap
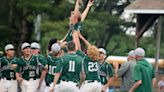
pixel 140 52
pixel 55 48
pixel 8 47
pixel 102 50
pixel 35 45
pixel 24 45
pixel 131 53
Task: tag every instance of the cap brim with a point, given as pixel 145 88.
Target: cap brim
pixel 102 52
pixel 34 48
pixel 26 47
pixel 10 49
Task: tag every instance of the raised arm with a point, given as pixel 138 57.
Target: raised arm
pixel 84 14
pixel 76 10
pixel 84 40
pixel 62 40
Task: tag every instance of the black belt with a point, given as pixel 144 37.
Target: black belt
pixel 68 81
pixel 89 81
pixel 8 78
pixel 47 84
pixel 31 78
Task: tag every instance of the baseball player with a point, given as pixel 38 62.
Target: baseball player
pixel 53 60
pixel 106 71
pixel 35 50
pixel 8 65
pixel 91 70
pixel 1 54
pixel 69 70
pixel 75 25
pixel 27 69
pixel 0 74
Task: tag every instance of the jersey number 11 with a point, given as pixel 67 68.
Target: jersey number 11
pixel 71 66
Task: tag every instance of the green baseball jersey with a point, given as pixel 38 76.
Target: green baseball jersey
pixel 91 68
pixel 41 64
pixel 70 67
pixel 7 70
pixel 29 68
pixel 69 36
pixel 0 69
pixel 78 26
pixel 52 63
pixel 144 71
pixel 1 56
pixel 105 72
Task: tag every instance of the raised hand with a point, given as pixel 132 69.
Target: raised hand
pixel 90 3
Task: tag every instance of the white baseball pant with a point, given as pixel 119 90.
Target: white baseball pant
pixel 67 86
pixel 8 85
pixel 48 88
pixel 30 85
pixel 91 87
pixel 42 87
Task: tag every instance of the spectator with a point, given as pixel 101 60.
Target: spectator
pixel 161 85
pixel 143 74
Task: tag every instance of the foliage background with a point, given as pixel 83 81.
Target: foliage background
pixel 102 26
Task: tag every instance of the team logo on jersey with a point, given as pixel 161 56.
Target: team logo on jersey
pixel 102 73
pixel 29 67
pixel 6 67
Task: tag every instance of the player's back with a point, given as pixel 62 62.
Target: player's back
pixel 91 69
pixel 72 64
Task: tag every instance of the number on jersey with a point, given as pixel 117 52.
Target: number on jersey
pixel 51 69
pixel 92 66
pixel 12 74
pixel 71 66
pixel 31 73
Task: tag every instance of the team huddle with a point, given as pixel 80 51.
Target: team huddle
pixel 67 68
pixel 71 71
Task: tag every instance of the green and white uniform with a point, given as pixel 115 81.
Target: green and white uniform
pixel 105 72
pixel 77 27
pixel 144 71
pixel 70 67
pixel 52 64
pixel 0 70
pixel 30 72
pixel 42 62
pixel 91 70
pixel 69 36
pixel 30 68
pixel 8 75
pixel 0 74
pixel 41 58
